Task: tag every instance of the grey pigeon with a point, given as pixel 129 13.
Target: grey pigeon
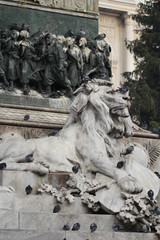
pixel 155 130
pixel 75 169
pixel 26 91
pixel 3 165
pixel 150 194
pixel 53 132
pixel 157 173
pixel 26 117
pixel 76 227
pixel 144 228
pixel 128 150
pixel 144 125
pixel 57 208
pixel 66 227
pixel 28 189
pixel 29 158
pixel 100 36
pixel 157 210
pixel 120 164
pixel 93 227
pixel 123 90
pixel 117 226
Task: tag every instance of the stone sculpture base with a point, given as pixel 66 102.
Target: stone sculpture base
pixel 31 216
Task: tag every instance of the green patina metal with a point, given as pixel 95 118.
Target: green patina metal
pixel 57 23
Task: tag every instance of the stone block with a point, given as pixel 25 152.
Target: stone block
pixel 56 221
pixel 30 235
pixel 111 236
pixel 60 235
pixel 7 200
pixel 9 219
pixel 20 179
pixel 45 203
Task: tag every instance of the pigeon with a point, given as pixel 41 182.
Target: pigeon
pixel 151 211
pixel 81 34
pixel 3 166
pixel 53 132
pixel 85 79
pixel 150 194
pixel 157 210
pixel 128 150
pixel 56 94
pixel 100 36
pixel 57 208
pixel 155 130
pixel 158 175
pixel 76 227
pixel 66 227
pixel 26 91
pixel 144 228
pixel 2 86
pixel 26 117
pixel 144 125
pixel 15 26
pixel 75 169
pixel 123 90
pixel 25 27
pixel 120 164
pixel 117 227
pixel 93 227
pixel 69 34
pixel 29 158
pixel 28 189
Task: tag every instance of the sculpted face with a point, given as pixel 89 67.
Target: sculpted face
pixel 69 41
pixel 14 34
pixel 48 38
pixel 61 39
pixel 82 42
pixel 118 103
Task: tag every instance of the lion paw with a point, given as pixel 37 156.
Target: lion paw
pixel 130 184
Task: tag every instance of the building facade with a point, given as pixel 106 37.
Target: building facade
pixel 114 20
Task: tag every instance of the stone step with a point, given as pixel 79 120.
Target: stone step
pixel 56 221
pixel 70 235
pixel 53 221
pixel 45 203
pixel 39 203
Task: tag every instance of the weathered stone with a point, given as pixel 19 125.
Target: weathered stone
pixel 9 219
pixel 20 179
pixel 34 100
pixel 60 235
pixel 7 200
pixel 46 203
pixel 56 221
pixel 31 235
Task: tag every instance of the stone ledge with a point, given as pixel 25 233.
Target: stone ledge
pixel 60 235
pixel 20 179
pixel 51 6
pixel 34 100
pixel 46 203
pixel 56 221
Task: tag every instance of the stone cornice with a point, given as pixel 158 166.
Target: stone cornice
pixel 128 6
pixel 72 7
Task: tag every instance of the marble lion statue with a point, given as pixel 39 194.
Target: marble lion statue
pixel 94 138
